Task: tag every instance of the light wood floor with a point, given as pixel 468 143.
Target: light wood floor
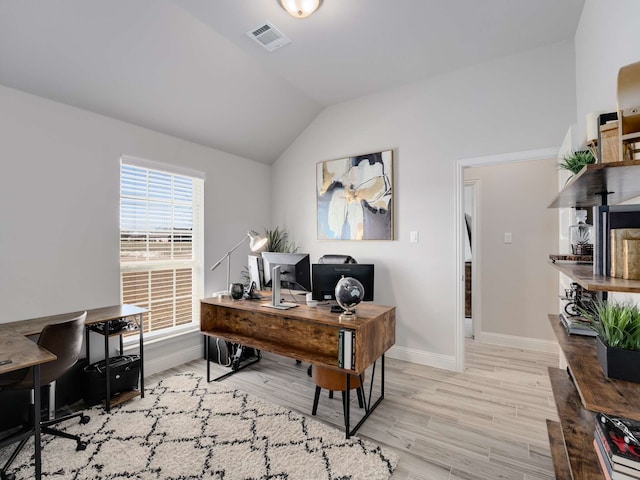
pixel 487 423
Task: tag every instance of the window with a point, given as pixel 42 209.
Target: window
pixel 160 242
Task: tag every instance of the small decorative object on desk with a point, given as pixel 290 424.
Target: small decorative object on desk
pixel 581 235
pixel 349 293
pixel 236 290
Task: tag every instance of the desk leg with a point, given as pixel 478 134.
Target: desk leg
pixel 140 321
pixel 369 410
pixel 206 357
pixel 37 404
pixel 86 344
pixel 346 398
pixel 107 372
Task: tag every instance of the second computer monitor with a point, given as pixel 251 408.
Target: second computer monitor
pixel 325 276
pixel 294 269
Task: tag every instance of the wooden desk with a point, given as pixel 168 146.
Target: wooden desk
pixel 309 334
pixel 95 316
pixel 24 353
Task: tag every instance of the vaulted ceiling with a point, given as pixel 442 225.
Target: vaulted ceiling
pixel 186 67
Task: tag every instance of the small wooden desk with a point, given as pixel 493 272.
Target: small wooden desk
pixel 309 334
pixel 34 326
pixel 24 353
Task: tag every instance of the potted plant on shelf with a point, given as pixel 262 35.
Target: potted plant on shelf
pixel 618 340
pixel 278 241
pixel 575 161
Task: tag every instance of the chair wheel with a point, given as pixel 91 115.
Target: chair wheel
pixel 81 446
pixel 84 419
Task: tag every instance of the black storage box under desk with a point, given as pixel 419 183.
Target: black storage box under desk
pixel 124 372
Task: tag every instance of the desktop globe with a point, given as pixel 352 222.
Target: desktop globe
pixel 349 293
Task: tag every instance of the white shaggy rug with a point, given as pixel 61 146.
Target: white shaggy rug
pixel 185 428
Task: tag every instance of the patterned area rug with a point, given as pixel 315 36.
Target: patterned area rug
pixel 185 428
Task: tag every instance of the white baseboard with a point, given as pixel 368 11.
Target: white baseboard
pixel 526 343
pixel 172 360
pixel 447 362
pixel 160 355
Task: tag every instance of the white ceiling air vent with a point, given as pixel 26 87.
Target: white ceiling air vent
pixel 268 36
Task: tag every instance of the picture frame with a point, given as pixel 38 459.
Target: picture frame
pixel 355 197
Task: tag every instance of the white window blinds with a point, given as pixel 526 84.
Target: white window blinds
pixel 160 243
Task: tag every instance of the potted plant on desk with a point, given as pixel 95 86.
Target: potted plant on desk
pixel 618 340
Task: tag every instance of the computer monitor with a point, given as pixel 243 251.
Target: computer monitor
pixel 325 276
pixel 294 269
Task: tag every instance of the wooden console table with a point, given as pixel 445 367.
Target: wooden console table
pixel 34 326
pixel 308 334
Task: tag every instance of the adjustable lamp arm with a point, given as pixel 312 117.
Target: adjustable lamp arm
pixel 257 244
pixel 228 254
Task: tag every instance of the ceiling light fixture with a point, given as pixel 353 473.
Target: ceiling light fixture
pixel 300 8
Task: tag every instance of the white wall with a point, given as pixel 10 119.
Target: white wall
pixel 518 103
pixel 59 192
pixel 513 198
pixel 607 38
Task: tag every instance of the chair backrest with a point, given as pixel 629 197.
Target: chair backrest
pixel 64 340
pixel 333 258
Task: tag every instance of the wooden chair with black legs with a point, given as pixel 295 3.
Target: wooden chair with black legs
pixel 65 341
pixel 333 380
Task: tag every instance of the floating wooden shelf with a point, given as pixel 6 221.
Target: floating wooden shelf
pixel 619 180
pixel 571 258
pixel 597 392
pixel 583 275
pixel 561 465
pixel 577 426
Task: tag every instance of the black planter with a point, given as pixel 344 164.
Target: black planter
pixel 619 363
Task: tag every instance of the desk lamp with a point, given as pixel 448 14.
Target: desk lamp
pixel 257 243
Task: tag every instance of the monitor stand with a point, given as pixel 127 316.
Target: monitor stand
pixel 275 292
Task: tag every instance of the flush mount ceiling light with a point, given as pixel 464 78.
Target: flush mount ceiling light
pixel 300 8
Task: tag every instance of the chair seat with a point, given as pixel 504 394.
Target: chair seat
pixel 333 380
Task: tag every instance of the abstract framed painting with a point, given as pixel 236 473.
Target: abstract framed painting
pixel 355 197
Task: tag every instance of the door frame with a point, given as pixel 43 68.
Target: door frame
pixel 502 158
pixel 476 318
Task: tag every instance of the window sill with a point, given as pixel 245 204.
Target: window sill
pixel 156 337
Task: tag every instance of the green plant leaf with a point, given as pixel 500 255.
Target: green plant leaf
pixel 278 241
pixel 617 323
pixel 574 162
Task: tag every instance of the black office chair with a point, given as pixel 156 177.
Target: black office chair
pixel 65 341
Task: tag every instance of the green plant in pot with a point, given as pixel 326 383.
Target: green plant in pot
pixel 277 241
pixel 618 340
pixel 575 161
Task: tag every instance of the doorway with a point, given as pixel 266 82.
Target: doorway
pixel 461 232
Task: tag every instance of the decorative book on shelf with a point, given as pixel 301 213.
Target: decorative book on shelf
pixel 618 437
pixel 577 325
pixel 605 463
pixel 346 350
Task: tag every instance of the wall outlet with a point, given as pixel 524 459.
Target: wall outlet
pixel 507 237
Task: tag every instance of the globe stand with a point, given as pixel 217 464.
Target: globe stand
pixel 348 315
